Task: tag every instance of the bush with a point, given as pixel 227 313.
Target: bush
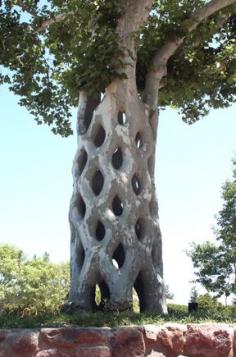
pixel 210 308
pixel 177 311
pixel 31 287
pixel 208 303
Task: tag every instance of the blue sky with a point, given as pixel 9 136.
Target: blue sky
pixel 36 184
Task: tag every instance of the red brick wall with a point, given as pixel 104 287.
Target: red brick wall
pixel 169 340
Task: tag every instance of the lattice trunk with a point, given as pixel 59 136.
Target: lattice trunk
pixel 116 240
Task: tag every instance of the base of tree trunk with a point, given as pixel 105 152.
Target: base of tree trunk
pixel 71 308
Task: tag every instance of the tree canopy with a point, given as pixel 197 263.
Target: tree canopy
pixel 215 264
pixel 51 50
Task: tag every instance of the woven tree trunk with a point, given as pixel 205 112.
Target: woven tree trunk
pixel 116 240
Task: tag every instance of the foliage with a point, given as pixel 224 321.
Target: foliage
pixel 226 220
pixel 31 287
pixel 193 294
pixel 47 66
pixel 32 292
pixel 168 294
pixel 215 264
pixel 208 303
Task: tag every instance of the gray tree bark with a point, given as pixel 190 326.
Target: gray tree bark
pixel 115 235
pixel 116 239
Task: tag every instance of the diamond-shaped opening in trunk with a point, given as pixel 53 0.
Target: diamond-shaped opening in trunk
pixel 118 257
pixel 82 161
pixel 117 206
pixel 117 158
pixel 140 288
pixel 81 206
pixel 80 255
pixel 97 182
pixel 122 118
pixel 100 231
pixel 100 136
pixel 138 140
pixel 102 295
pixel 140 228
pixel 136 184
pixel 135 299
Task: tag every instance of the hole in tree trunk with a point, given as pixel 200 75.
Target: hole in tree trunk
pixel 97 182
pixel 90 298
pixel 100 231
pixel 80 255
pixel 117 159
pixel 98 295
pixel 117 206
pixel 122 118
pixel 136 184
pixel 140 228
pixel 102 295
pixel 81 206
pixel 118 257
pixel 139 287
pixel 135 298
pixel 138 141
pixel 82 160
pixel 99 137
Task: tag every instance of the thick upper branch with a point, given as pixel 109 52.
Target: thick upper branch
pixel 208 10
pixel 158 65
pixel 135 14
pixel 168 50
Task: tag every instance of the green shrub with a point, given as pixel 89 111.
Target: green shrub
pixel 208 303
pixel 31 287
pixel 177 312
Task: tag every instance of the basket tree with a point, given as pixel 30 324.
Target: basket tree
pixel 137 55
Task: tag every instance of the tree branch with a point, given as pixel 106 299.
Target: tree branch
pixel 52 20
pixel 25 8
pixel 45 23
pixel 135 14
pixel 158 68
pixel 211 8
pixel 218 25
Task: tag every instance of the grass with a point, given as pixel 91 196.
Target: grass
pixel 177 313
